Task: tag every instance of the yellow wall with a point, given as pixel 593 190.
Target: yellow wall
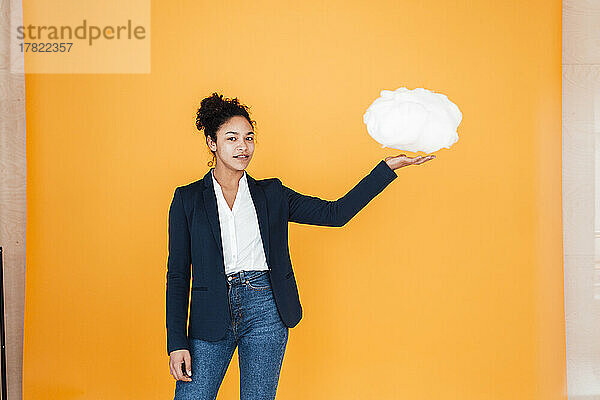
pixel 447 286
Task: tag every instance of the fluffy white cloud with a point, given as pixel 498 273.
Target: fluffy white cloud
pixel 413 120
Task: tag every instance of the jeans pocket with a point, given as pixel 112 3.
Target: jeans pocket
pixel 260 282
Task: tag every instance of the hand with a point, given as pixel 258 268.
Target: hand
pixel 179 359
pixel 400 161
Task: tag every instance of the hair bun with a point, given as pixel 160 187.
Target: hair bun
pixel 215 110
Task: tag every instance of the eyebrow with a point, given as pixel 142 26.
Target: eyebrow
pixel 236 133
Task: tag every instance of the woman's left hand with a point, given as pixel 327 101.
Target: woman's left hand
pixel 400 161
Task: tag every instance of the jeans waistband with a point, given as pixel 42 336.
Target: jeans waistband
pixel 244 276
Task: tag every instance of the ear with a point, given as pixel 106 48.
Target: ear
pixel 210 143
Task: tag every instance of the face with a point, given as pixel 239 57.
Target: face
pixel 235 137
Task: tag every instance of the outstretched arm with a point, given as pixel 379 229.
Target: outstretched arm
pixel 313 210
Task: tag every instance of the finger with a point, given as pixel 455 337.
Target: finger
pixel 178 372
pixel 179 366
pixel 175 373
pixel 188 363
pixel 184 377
pixel 426 159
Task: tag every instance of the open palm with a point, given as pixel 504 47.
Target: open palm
pixel 402 160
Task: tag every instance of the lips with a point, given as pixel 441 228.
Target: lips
pixel 243 156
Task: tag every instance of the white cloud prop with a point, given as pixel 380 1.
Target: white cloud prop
pixel 413 120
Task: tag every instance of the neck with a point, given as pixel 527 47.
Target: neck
pixel 227 178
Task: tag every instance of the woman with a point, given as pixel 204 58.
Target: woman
pixel 228 231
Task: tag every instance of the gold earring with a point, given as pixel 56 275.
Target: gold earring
pixel 211 162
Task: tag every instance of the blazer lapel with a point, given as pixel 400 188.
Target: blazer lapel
pixel 212 212
pixel 260 204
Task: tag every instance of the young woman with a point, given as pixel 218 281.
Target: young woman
pixel 228 232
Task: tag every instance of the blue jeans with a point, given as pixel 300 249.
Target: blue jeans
pixel 258 332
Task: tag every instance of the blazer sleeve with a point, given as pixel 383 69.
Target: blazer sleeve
pixel 178 276
pixel 312 210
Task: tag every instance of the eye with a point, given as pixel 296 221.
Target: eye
pixel 232 137
pixel 250 137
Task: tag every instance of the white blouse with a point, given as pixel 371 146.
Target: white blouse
pixel 240 234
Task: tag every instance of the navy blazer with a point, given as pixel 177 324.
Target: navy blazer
pixel 195 240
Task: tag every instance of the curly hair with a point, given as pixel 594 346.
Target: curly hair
pixel 215 110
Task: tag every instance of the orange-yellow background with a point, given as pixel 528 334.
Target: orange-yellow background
pixel 448 285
